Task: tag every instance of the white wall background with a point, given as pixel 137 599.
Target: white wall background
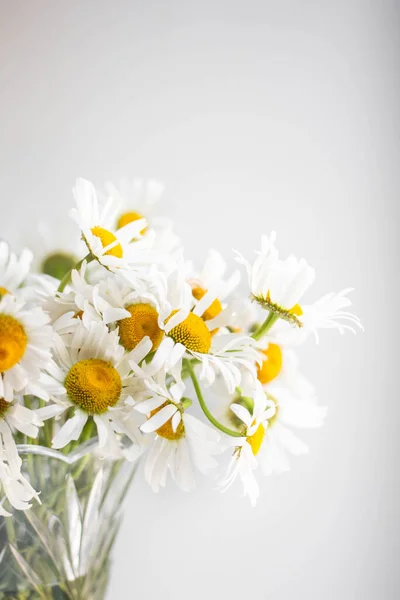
pixel 258 116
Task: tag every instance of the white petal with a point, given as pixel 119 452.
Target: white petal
pixel 71 430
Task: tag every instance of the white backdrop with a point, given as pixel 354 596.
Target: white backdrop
pixel 258 116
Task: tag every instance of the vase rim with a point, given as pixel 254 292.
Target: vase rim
pixel 78 453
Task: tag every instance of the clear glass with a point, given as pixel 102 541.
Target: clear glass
pixel 60 550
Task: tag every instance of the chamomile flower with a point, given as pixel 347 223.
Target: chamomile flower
pixel 91 375
pixel 17 489
pixel 278 285
pixel 86 302
pixel 181 441
pixel 211 280
pixel 295 408
pixel 252 417
pixel 25 344
pixel 13 269
pixel 279 364
pixel 329 312
pixel 270 438
pixel 137 199
pixel 113 249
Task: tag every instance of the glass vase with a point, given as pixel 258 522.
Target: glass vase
pixel 60 549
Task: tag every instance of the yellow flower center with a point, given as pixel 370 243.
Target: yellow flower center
pixel 94 385
pixel 129 217
pixel 3 291
pixel 213 310
pixel 166 431
pixel 271 367
pixel 142 322
pixel 107 238
pixel 256 439
pixel 13 342
pixel 4 406
pixel 192 333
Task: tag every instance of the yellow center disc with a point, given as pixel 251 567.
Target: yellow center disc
pixel 107 238
pixel 13 342
pixel 94 385
pixel 129 217
pixel 142 322
pixel 166 431
pixel 192 333
pixel 213 310
pixel 271 367
pixel 3 291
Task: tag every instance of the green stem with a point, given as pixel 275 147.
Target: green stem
pixel 67 277
pixel 266 326
pixel 204 407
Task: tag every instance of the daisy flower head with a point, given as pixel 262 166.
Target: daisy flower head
pixel 16 276
pixel 13 269
pixel 13 484
pixel 112 248
pixel 296 408
pixel 25 344
pixel 211 280
pixel 251 416
pixel 86 302
pixel 267 416
pixel 139 199
pixel 278 285
pixel 131 304
pixel 279 362
pixel 180 441
pixel 90 380
pixel 329 312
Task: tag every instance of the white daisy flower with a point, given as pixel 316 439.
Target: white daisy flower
pixel 294 408
pixel 16 488
pixel 278 285
pixel 16 278
pixel 25 344
pixel 111 248
pixel 269 439
pixel 326 313
pixel 279 363
pixel 91 374
pixel 13 269
pixel 137 199
pixel 181 441
pixel 86 301
pixel 211 280
pixel 252 417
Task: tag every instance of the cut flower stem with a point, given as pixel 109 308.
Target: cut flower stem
pixel 203 405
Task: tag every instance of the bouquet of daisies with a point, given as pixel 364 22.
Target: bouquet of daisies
pixel 122 341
